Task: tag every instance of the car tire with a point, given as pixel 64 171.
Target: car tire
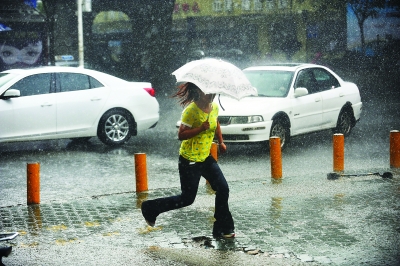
pixel 115 127
pixel 344 123
pixel 281 130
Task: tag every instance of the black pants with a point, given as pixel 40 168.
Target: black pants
pixel 190 174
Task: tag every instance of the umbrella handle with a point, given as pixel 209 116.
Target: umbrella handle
pixel 219 101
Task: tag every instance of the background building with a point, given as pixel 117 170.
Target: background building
pixel 138 40
pixel 264 29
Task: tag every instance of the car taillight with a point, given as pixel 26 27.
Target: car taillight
pixel 151 91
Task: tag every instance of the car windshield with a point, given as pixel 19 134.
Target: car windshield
pixel 270 83
pixel 5 77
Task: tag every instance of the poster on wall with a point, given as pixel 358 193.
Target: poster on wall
pixel 21 48
pixel 385 25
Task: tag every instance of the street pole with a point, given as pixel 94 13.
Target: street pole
pixel 80 33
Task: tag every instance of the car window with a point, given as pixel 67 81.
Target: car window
pixel 73 82
pixel 34 85
pixel 326 80
pixel 94 83
pixel 77 82
pixel 270 83
pixel 306 79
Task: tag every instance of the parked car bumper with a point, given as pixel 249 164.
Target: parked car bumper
pixel 246 132
pixel 357 109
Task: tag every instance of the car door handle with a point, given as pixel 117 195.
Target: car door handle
pixel 95 99
pixel 341 94
pixel 46 104
pixel 317 99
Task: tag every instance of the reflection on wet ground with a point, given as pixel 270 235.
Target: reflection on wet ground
pixel 301 219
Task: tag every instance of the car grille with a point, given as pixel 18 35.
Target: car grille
pixel 235 137
pixel 224 120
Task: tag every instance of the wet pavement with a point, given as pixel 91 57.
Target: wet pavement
pixel 305 219
pixel 301 220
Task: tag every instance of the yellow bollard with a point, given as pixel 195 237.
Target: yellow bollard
pixel 338 152
pixel 394 149
pixel 33 183
pixel 141 172
pixel 276 157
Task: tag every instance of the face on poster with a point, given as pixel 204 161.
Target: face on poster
pixel 19 52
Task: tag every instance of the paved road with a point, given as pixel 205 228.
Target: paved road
pixel 302 220
pixel 89 212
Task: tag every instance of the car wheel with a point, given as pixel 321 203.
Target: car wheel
pixel 279 129
pixel 344 123
pixel 115 127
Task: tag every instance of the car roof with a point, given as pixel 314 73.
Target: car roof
pixel 282 66
pixel 50 69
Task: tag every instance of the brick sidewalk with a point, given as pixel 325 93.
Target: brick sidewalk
pixel 302 220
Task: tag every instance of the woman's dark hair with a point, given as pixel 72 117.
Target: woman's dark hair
pixel 187 93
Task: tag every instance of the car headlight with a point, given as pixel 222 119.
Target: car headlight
pixel 246 119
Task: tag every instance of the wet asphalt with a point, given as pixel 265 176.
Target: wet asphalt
pixel 302 219
pixel 298 221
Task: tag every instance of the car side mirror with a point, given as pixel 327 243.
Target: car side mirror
pixel 11 93
pixel 298 92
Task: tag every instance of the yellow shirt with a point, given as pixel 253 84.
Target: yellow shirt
pixel 197 149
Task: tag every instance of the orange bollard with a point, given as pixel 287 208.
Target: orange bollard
pixel 394 149
pixel 214 154
pixel 338 152
pixel 214 151
pixel 33 183
pixel 141 172
pixel 276 157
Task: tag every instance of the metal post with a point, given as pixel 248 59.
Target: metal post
pixel 214 151
pixel 214 154
pixel 80 33
pixel 33 183
pixel 394 149
pixel 338 152
pixel 276 157
pixel 141 172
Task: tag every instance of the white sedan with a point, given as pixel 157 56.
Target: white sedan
pixel 66 102
pixel 292 99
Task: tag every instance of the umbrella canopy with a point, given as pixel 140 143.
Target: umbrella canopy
pixel 216 76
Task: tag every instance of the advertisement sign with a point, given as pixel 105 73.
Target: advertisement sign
pixel 385 24
pixel 21 48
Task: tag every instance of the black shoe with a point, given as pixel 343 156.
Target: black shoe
pixel 4 252
pixel 149 219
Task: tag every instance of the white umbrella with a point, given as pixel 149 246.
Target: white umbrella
pixel 216 76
